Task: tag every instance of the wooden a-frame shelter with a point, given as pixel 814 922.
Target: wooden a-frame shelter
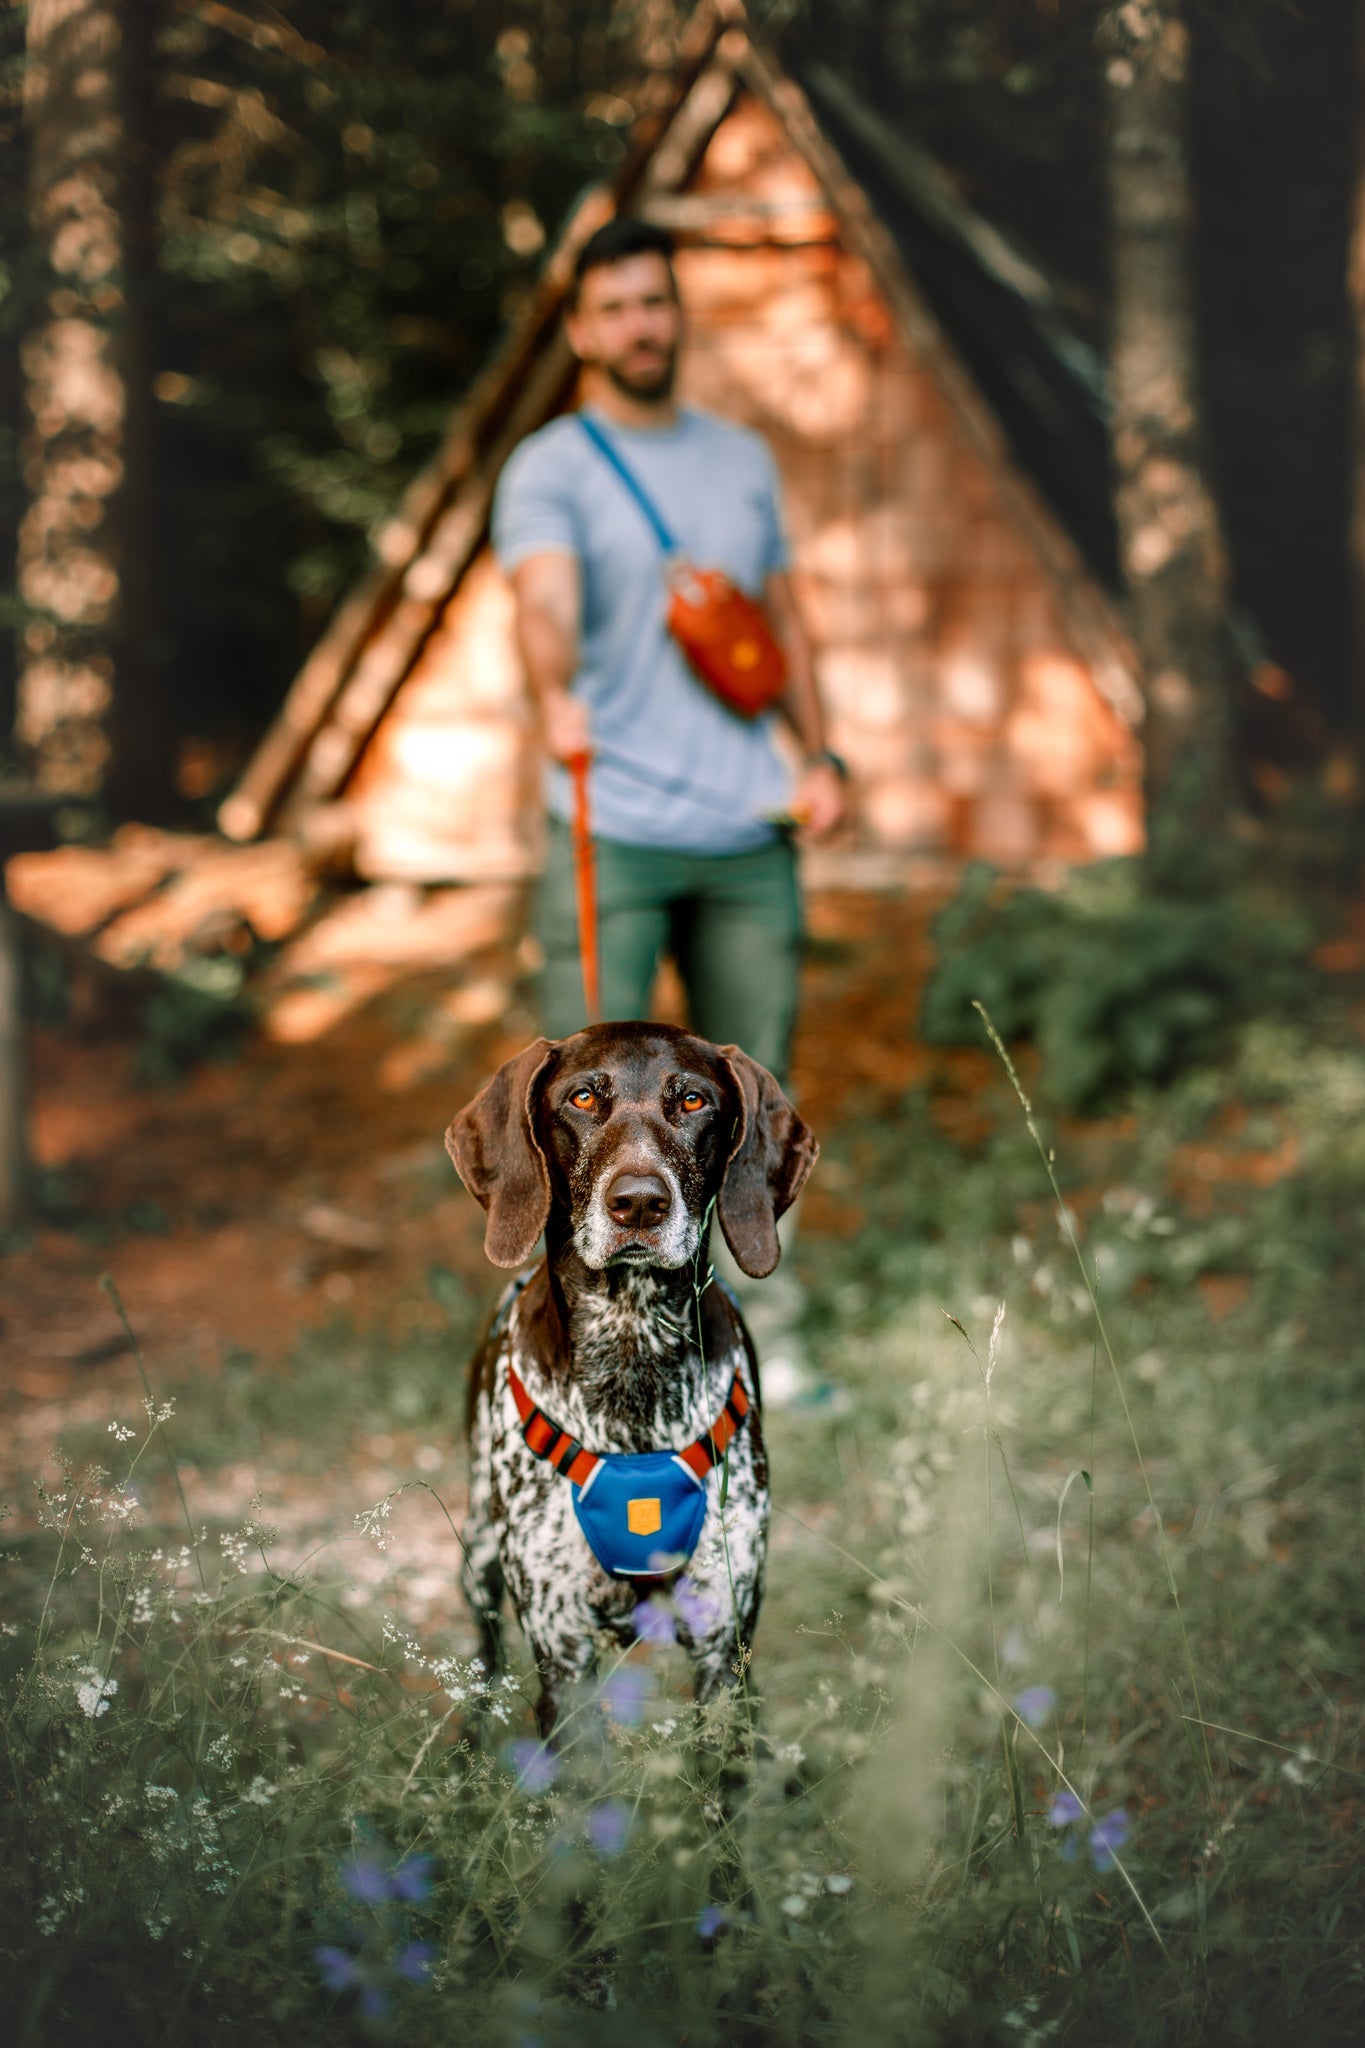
pixel 977 676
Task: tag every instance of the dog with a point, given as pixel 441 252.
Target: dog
pixel 614 1405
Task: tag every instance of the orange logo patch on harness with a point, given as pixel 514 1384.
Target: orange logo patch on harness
pixel 643 1517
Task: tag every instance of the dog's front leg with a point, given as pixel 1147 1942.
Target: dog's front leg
pixel 722 1589
pixel 548 1577
pixel 565 1651
pixel 557 1680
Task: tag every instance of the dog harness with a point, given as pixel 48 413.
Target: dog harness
pixel 642 1512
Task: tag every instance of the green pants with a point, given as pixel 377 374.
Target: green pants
pixel 732 923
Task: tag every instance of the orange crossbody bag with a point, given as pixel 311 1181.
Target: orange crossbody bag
pixel 724 634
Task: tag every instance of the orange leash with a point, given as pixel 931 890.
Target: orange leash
pixel 585 887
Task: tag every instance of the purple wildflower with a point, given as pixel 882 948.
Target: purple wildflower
pixel 624 1694
pixel 1034 1704
pixel 711 1921
pixel 608 1827
pixel 1064 1808
pixel 411 1880
pixel 697 1611
pixel 374 2001
pixel 337 1967
pixel 414 1961
pixel 1107 1837
pixel 535 1764
pixel 366 1877
pixel 654 1624
pixel 374 1880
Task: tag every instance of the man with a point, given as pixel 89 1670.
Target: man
pixel 688 800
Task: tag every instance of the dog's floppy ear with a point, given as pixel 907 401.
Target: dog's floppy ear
pixel 772 1152
pixel 498 1157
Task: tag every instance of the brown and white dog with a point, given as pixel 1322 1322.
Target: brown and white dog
pixel 618 1144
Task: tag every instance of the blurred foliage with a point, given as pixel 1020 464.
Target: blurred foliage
pixel 1114 987
pixel 351 208
pixel 1008 95
pixel 353 197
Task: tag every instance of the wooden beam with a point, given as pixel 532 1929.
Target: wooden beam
pixel 388 656
pixel 320 683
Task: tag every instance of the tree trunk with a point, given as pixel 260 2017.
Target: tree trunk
pixel 1171 543
pixel 89 714
pixel 1355 286
pixel 13 1153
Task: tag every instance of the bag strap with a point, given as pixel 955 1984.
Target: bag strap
pixel 631 481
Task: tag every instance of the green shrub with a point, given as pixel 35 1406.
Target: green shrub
pixel 1113 987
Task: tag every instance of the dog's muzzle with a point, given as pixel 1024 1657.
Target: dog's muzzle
pixel 637 1217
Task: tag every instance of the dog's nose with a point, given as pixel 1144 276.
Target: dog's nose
pixel 638 1201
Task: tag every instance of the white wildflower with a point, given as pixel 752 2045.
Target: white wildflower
pixel 94 1696
pixel 374 1521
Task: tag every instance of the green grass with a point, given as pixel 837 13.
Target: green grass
pixel 1158 1555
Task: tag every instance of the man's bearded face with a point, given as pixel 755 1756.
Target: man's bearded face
pixel 628 325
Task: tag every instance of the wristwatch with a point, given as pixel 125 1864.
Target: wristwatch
pixel 827 758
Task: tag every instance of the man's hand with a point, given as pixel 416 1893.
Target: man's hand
pixel 818 802
pixel 565 724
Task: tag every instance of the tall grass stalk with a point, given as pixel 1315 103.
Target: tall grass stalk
pixel 1069 1229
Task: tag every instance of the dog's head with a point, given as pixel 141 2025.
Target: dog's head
pixel 631 1131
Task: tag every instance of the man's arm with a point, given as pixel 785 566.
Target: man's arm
pixel 546 587
pixel 818 798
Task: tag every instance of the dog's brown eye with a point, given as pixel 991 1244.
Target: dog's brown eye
pixel 693 1100
pixel 584 1098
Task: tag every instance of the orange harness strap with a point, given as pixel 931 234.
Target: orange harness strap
pixel 585 887
pixel 546 1440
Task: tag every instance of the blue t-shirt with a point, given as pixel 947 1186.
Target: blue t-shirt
pixel 672 767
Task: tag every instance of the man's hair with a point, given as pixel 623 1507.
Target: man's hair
pixel 625 236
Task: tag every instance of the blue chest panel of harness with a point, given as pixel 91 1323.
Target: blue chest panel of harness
pixel 642 1512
